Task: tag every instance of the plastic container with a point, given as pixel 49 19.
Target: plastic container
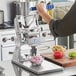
pixel 50 10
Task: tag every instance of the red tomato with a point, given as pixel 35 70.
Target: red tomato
pixel 58 54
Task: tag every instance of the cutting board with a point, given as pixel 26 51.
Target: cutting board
pixel 65 62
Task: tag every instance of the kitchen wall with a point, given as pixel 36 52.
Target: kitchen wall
pixel 5 6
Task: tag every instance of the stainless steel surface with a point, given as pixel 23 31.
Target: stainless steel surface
pixel 42 69
pixel 7 44
pixel 13 70
pixel 1 69
pixel 28 30
pixel 21 71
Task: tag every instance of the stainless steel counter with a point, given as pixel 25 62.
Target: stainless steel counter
pixel 11 70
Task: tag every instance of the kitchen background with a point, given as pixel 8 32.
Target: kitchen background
pixel 5 6
pixel 7 43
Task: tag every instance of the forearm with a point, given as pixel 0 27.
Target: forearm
pixel 42 11
pixel 46 17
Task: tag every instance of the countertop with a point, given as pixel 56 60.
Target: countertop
pixel 6 25
pixel 10 70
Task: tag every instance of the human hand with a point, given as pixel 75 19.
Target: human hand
pixel 42 11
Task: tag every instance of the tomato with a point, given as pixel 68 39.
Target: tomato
pixel 58 54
